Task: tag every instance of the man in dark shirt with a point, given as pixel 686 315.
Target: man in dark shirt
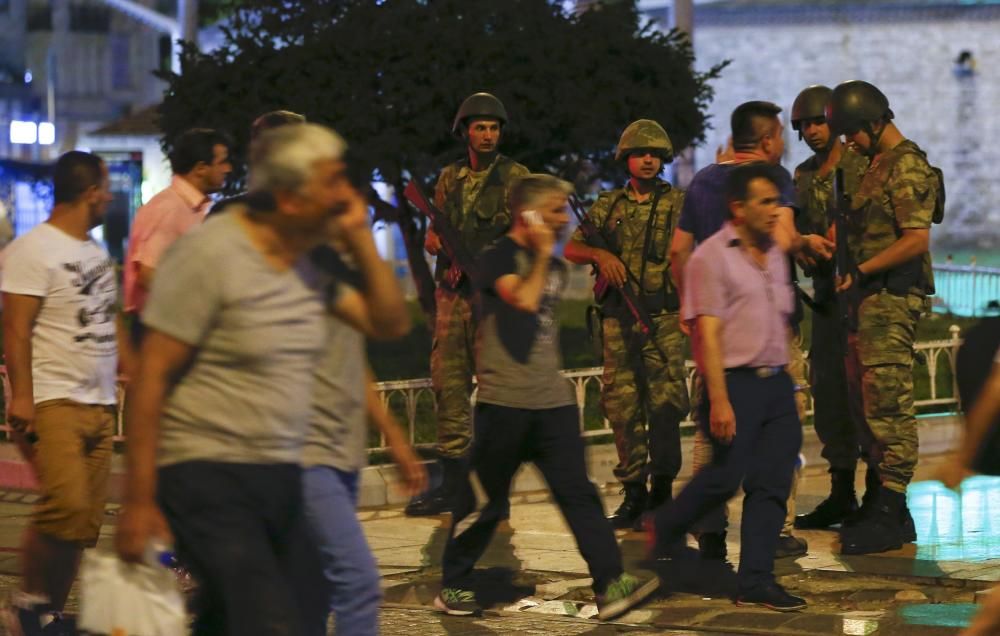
pixel 525 410
pixel 757 137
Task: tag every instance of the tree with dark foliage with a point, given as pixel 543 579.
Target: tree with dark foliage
pixel 389 75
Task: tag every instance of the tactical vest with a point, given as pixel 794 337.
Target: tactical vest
pixel 814 198
pixel 643 245
pixel 874 228
pixel 488 219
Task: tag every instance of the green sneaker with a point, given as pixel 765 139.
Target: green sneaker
pixel 623 594
pixel 457 602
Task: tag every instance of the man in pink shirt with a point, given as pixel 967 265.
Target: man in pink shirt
pixel 200 163
pixel 738 300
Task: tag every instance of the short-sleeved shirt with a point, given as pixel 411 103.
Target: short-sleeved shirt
pixel 623 220
pixel 74 350
pixel 517 352
pixel 475 203
pixel 258 334
pixel 898 192
pixel 705 207
pixel 338 428
pixel 166 217
pixel 753 303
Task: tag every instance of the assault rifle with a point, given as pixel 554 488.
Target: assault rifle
pixel 602 286
pixel 462 265
pixel 848 300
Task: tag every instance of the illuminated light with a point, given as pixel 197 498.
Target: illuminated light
pixel 23 132
pixel 859 626
pixel 28 77
pixel 46 133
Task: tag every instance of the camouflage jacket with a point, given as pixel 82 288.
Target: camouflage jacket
pixel 623 221
pixel 814 192
pixel 898 192
pixel 814 199
pixel 476 204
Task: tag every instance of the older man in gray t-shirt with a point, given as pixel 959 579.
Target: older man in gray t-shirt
pixel 235 327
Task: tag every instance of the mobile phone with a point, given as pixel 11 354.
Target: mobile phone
pixel 531 217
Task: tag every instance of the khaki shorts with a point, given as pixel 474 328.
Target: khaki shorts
pixel 72 462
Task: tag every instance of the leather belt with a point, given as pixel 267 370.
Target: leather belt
pixel 760 372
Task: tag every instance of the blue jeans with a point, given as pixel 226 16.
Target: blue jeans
pixel 350 585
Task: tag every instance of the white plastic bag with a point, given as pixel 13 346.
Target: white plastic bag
pixel 125 599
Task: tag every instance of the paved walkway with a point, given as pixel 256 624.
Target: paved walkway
pixel 537 583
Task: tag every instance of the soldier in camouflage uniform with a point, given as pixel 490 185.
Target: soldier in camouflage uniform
pixel 644 394
pixel 472 192
pixel 836 423
pixel 888 240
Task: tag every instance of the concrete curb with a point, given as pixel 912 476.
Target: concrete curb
pixel 379 484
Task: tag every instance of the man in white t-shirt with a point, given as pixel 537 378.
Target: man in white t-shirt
pixel 61 340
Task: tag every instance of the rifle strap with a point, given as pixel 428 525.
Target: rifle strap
pixel 648 238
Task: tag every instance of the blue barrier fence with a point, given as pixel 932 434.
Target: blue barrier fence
pixel 967 290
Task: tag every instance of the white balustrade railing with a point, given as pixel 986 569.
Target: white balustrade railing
pixel 405 397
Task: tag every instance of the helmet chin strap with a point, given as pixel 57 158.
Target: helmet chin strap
pixel 873 139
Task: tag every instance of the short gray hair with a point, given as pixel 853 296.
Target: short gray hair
pixel 526 191
pixel 283 158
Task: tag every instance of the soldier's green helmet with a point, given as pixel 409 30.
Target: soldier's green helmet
pixel 479 105
pixel 810 104
pixel 645 134
pixel 856 105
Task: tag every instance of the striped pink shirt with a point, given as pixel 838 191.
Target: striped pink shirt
pixel 165 218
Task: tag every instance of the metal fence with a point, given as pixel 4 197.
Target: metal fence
pixel 967 290
pixel 410 400
pixel 411 394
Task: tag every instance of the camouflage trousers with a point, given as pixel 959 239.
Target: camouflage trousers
pixel 836 420
pixel 644 397
pixel 452 368
pixel 716 521
pixel 880 371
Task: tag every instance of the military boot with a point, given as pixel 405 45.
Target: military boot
pixel 879 528
pixel 908 529
pixel 835 509
pixel 661 492
pixel 872 485
pixel 632 507
pixel 439 500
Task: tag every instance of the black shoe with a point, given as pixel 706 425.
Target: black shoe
pixel 771 596
pixel 790 546
pixel 454 482
pixel 435 502
pixel 631 509
pixel 879 530
pixel 841 505
pixel 60 626
pixel 873 483
pixel 712 546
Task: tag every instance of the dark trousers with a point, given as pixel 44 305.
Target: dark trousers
pixel 839 414
pixel 504 438
pixel 762 456
pixel 136 330
pixel 238 527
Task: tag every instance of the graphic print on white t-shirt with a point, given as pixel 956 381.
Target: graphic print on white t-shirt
pixel 74 349
pixel 94 281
